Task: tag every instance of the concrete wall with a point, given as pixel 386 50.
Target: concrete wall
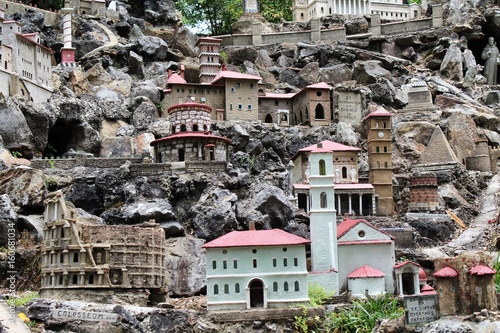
pixel 358 287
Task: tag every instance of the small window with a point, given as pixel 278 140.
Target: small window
pixel 254 251
pixel 296 262
pixel 231 107
pixel 323 200
pixel 361 233
pixel 285 249
pixel 275 286
pixel 216 289
pixel 285 262
pixel 240 107
pixel 235 264
pixel 226 289
pixel 275 262
pixel 75 257
pixel 61 258
pixel 238 85
pixel 297 286
pixel 232 90
pixel 285 286
pixel 377 149
pixel 224 264
pixel 237 288
pixel 254 263
pixel 74 279
pixel 251 85
pixel 249 106
pixel 91 279
pixel 214 264
pixel 322 167
pixel 385 149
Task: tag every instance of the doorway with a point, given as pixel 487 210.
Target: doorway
pixel 256 287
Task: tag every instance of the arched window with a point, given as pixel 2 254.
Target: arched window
pixel 237 288
pixel 269 119
pixel 226 289
pixel 319 112
pixel 386 165
pixel 214 264
pixel 60 279
pixel 216 289
pixel 183 128
pixel 285 286
pixel 195 128
pixel 385 149
pixel 75 257
pixel 323 200
pixel 385 125
pixel 275 286
pixel 344 172
pixel 173 129
pixel 297 286
pixel 181 154
pixel 377 149
pixel 322 168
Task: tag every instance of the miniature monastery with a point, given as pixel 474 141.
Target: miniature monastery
pixel 239 96
pixel 80 256
pixel 25 64
pixel 393 10
pixel 353 257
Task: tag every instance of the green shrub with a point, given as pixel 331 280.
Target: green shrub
pixel 18 302
pixel 363 314
pixel 317 294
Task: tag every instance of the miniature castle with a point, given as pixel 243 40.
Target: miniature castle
pixel 25 64
pixel 81 257
pixel 306 10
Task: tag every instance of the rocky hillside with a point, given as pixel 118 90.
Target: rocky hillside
pixel 117 92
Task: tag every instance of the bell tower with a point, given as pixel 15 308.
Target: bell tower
pixel 380 158
pixel 323 220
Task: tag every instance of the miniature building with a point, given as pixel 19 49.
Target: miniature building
pixel 420 105
pixel 209 58
pixel 305 10
pixel 380 158
pixel 80 256
pixel 438 154
pixel 25 64
pixel 423 192
pixel 465 284
pixel 67 51
pixel 481 160
pixel 89 7
pixel 361 244
pixel 190 139
pixel 312 106
pixel 323 220
pixel 256 269
pixel 407 278
pixel 350 194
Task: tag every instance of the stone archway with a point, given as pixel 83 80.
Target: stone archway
pixel 256 294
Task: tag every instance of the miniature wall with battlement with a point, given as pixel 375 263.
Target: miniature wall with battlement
pixel 50 18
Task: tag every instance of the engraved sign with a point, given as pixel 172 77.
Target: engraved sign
pixel 349 107
pixel 420 97
pixel 421 309
pixel 251 6
pixel 84 315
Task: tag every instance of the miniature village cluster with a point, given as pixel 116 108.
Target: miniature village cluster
pixel 259 268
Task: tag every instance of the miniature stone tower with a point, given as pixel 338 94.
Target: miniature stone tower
pixel 379 158
pixel 209 58
pixel 323 223
pixel 68 51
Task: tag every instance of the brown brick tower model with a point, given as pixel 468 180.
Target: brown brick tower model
pixel 209 54
pixel 379 158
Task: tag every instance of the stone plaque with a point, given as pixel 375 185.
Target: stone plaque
pixel 251 6
pixel 84 315
pixel 421 309
pixel 349 107
pixel 419 97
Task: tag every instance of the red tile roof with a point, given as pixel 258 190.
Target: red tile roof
pixel 422 276
pixel 176 78
pixel 481 270
pixel 365 271
pixel 380 112
pixel 274 237
pixel 364 242
pixel 234 75
pixel 407 262
pixel 446 272
pixel 319 85
pixel 356 186
pixel 181 106
pixel 202 135
pixel 427 290
pixel 327 144
pixel 348 224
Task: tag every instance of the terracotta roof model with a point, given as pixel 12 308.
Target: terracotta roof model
pixel 379 112
pixel 407 262
pixel 234 75
pixel 446 272
pixel 422 276
pixel 348 224
pixel 320 85
pixel 438 151
pixel 427 290
pixel 176 78
pixel 274 237
pixel 327 146
pixel 204 135
pixel 481 270
pixel 365 271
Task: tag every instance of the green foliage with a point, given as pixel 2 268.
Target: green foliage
pixel 317 295
pixel 305 324
pixel 497 274
pixel 276 10
pixel 362 315
pixel 51 183
pixel 419 2
pixel 16 154
pixel 18 302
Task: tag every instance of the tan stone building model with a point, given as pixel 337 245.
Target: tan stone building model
pixel 380 158
pixel 80 256
pixel 25 64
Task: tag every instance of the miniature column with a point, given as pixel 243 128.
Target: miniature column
pixel 67 52
pixel 416 285
pixel 339 212
pixel 361 204
pixel 400 284
pixel 350 203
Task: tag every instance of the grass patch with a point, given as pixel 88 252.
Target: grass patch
pixel 19 302
pixel 318 295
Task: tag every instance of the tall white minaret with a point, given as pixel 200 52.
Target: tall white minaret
pixel 68 51
pixel 323 220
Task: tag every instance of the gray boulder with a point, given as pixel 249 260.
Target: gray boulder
pixel 160 211
pixel 144 115
pixel 335 74
pixel 135 64
pixel 185 263
pixel 8 219
pixel 152 48
pixel 24 186
pixel 238 55
pixel 214 214
pixel 451 67
pixel 368 72
pixel 14 129
pixel 184 41
pixel 147 89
